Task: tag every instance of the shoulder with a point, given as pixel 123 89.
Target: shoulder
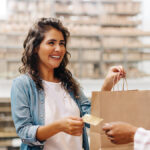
pixel 23 80
pixel 21 77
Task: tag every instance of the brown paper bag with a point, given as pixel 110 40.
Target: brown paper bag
pixel 128 106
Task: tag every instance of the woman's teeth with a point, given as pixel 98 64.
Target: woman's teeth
pixel 55 57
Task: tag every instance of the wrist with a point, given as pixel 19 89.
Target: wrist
pixel 59 126
pixel 133 131
pixel 106 88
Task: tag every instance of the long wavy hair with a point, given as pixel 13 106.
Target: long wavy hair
pixel 30 58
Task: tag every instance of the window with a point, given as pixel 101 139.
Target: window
pixel 3 9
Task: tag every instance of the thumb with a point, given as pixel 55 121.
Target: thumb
pixel 107 126
pixel 75 118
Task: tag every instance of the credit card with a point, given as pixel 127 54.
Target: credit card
pixel 90 119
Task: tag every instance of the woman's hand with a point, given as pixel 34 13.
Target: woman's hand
pixel 120 132
pixel 69 125
pixel 113 76
pixel 72 126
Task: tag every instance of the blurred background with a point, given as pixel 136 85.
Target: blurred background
pixel 103 33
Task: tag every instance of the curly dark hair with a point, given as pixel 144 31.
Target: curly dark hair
pixel 30 59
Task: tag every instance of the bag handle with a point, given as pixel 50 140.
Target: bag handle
pixel 123 84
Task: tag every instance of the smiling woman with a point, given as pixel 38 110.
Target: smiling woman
pixel 46 39
pixel 47 102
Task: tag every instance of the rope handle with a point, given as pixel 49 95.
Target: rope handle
pixel 123 84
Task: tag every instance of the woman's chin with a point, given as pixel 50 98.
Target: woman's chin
pixel 54 66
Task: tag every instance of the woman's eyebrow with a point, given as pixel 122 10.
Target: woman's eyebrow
pixel 62 41
pixel 54 40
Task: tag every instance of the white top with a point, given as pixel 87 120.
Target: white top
pixel 58 105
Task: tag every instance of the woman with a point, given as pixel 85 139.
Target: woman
pixel 47 102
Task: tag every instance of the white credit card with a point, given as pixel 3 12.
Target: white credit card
pixel 93 120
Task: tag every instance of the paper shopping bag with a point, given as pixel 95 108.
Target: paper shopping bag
pixel 128 106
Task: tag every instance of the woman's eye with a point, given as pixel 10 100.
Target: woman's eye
pixel 62 44
pixel 51 43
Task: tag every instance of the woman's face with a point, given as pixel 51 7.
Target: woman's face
pixel 51 50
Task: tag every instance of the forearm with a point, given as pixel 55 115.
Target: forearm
pixel 47 131
pixel 107 86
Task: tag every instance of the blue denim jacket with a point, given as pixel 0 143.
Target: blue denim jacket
pixel 28 111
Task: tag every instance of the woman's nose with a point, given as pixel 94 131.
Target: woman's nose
pixel 57 48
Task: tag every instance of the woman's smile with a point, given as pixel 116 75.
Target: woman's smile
pixel 55 57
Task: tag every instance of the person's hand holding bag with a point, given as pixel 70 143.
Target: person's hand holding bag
pixel 114 74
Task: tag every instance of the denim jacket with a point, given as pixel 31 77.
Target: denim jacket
pixel 28 111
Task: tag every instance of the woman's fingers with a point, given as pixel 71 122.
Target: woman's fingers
pixel 119 72
pixel 75 118
pixel 76 123
pixel 77 131
pixel 115 69
pixel 113 76
pixel 122 72
pixel 73 125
